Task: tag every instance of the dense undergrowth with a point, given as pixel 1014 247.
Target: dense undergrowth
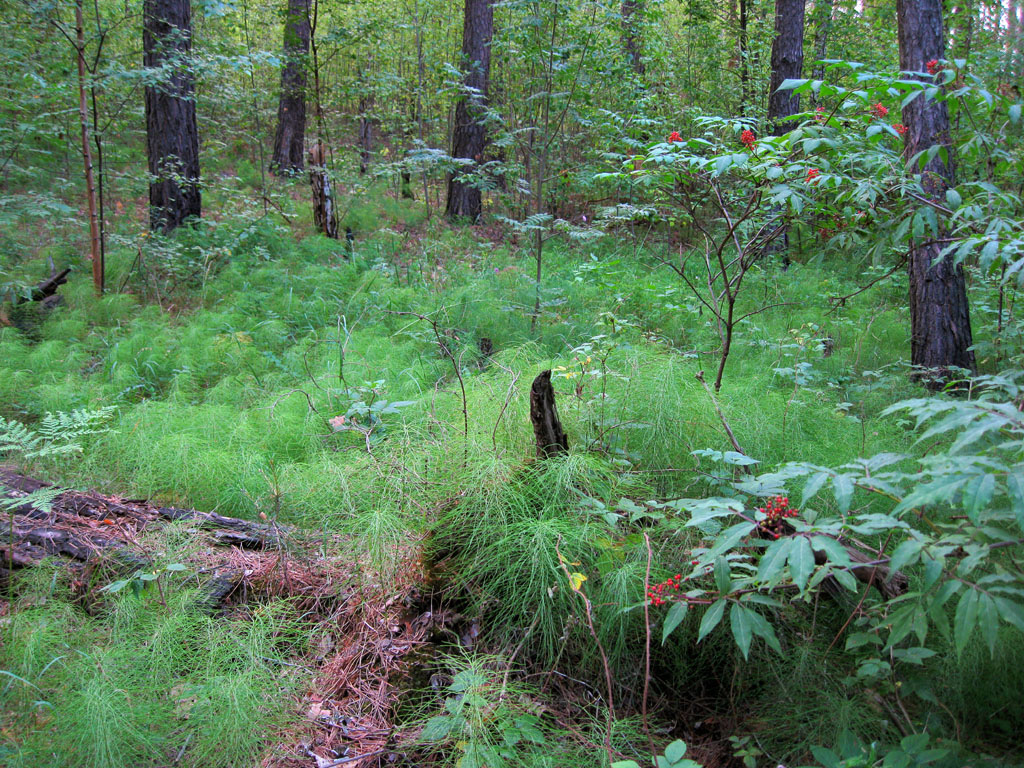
pixel 262 375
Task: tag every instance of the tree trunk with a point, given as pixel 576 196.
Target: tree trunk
pixel 744 60
pixel 171 136
pixel 95 248
pixel 787 63
pixel 365 131
pixel 324 215
pixel 823 11
pixel 940 324
pixel 469 135
pixel 632 40
pixel 289 141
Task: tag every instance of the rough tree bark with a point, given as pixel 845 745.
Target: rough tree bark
pixel 469 137
pixel 172 139
pixel 940 323
pixel 632 40
pixel 547 428
pixel 787 63
pixel 289 141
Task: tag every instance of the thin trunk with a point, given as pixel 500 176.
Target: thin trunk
pixel 823 15
pixel 366 124
pixel 632 39
pixel 469 134
pixel 744 60
pixel 940 323
pixel 95 249
pixel 289 141
pixel 171 135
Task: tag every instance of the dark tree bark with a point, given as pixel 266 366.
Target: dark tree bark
pixel 171 136
pixel 632 40
pixel 940 323
pixel 289 141
pixel 469 137
pixel 787 63
pixel 547 427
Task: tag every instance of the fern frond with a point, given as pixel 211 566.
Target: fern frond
pixel 17 438
pixel 41 499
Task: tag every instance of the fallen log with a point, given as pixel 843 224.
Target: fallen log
pixel 86 530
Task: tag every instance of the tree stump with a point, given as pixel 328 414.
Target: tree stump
pixel 547 428
pixel 323 199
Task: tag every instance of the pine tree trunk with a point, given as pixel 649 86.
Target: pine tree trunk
pixel 940 324
pixel 469 135
pixel 787 63
pixel 289 141
pixel 171 136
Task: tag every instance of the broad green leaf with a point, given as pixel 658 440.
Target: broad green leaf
pixel 1015 490
pixel 711 618
pixel 812 486
pixel 675 751
pixel 965 619
pixel 742 628
pixel 769 570
pixel 1012 613
pixel 988 620
pixel 843 487
pixel 977 495
pixel 723 580
pixel 905 554
pixel 836 552
pixel 673 619
pixel 730 537
pixel 801 561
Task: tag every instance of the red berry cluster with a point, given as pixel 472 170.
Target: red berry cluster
pixel 674 136
pixel 934 67
pixel 900 128
pixel 747 138
pixel 812 174
pixel 819 114
pixel 879 110
pixel 775 512
pixel 666 587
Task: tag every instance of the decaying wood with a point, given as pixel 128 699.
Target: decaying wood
pixel 44 289
pixel 547 428
pixel 324 215
pixel 87 530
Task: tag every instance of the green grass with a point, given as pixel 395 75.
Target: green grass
pixel 236 348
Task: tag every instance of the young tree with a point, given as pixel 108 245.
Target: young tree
pixel 469 137
pixel 95 248
pixel 940 323
pixel 787 63
pixel 291 110
pixel 171 135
